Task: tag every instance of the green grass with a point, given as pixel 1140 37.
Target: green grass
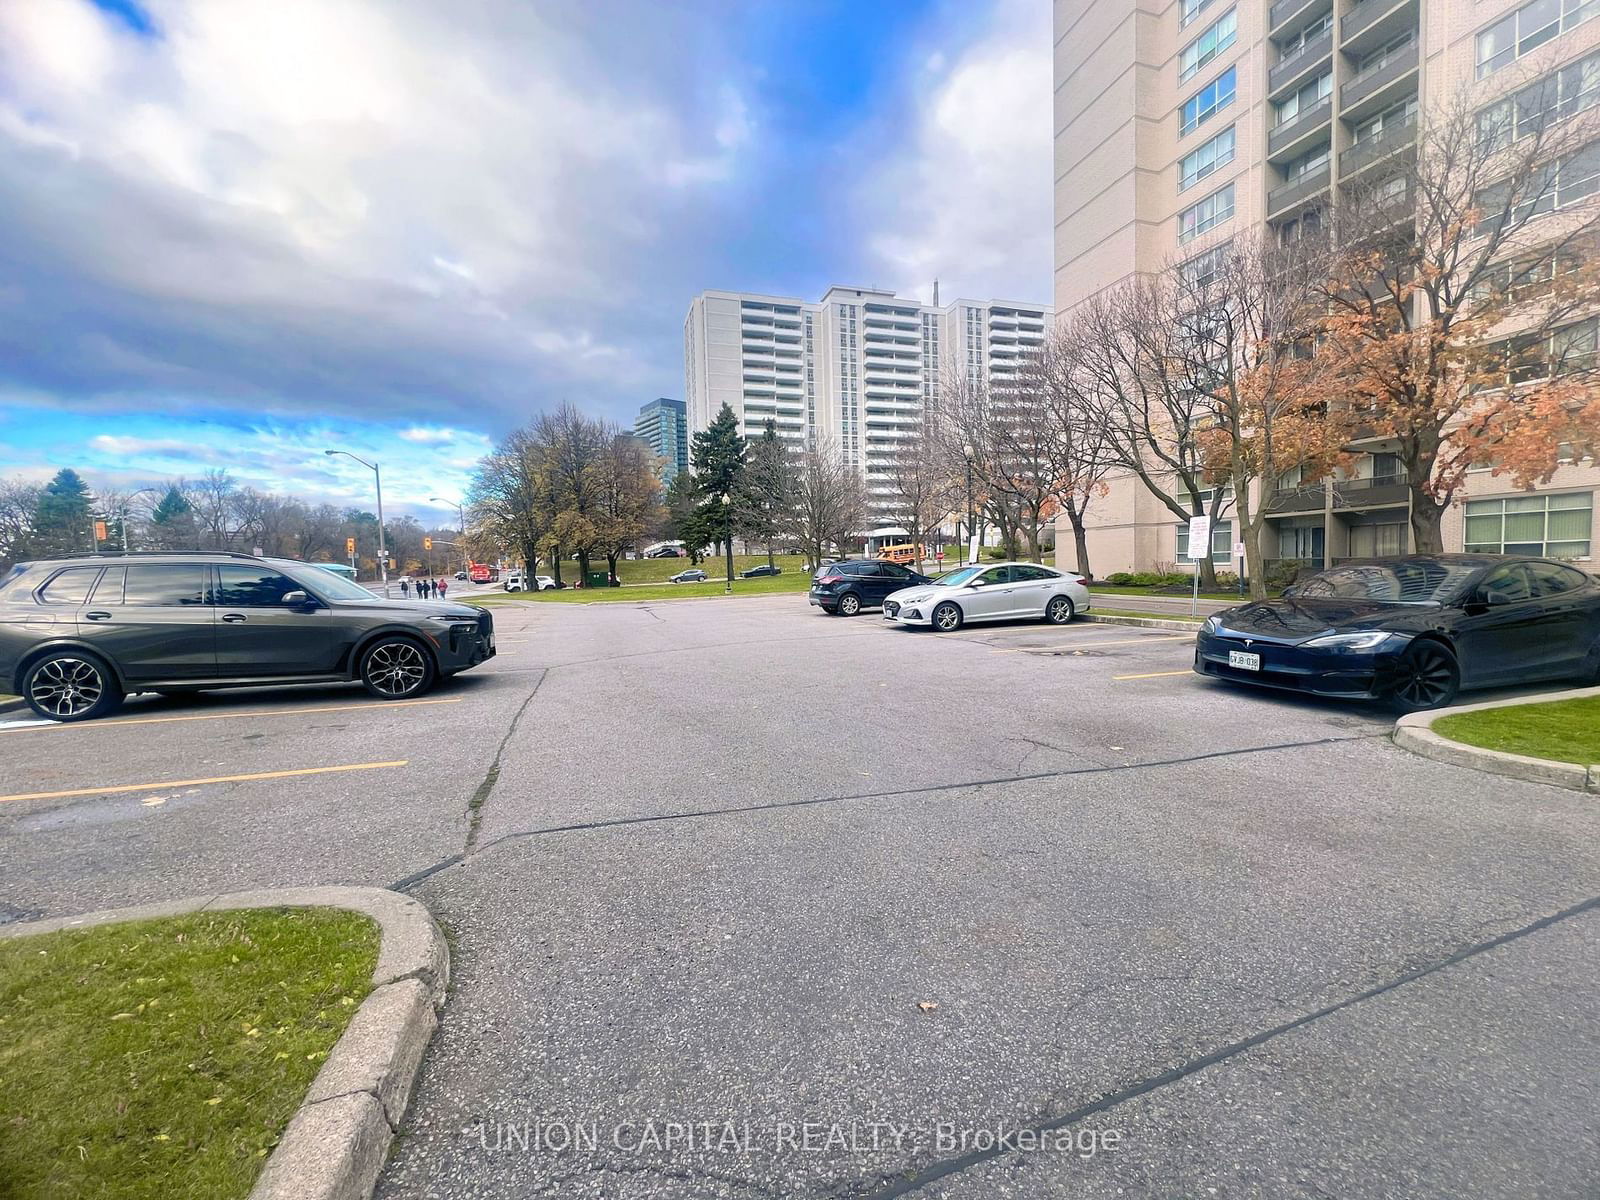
pixel 1564 730
pixel 160 1060
pixel 1104 590
pixel 798 582
pixel 1161 616
pixel 659 570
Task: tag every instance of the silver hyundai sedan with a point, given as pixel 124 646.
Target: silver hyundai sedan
pixel 1004 591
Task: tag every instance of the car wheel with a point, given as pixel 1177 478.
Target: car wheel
pixel 396 668
pixel 1426 677
pixel 947 617
pixel 69 685
pixel 849 604
pixel 1059 611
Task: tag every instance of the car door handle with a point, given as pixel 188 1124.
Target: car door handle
pixel 233 618
pixel 97 616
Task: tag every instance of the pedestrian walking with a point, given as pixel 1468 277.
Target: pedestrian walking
pixel 443 588
pixel 422 588
pixel 405 588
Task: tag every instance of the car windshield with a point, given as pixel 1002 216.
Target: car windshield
pixel 326 584
pixel 956 578
pixel 1405 581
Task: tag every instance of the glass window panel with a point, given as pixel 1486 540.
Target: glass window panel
pixel 165 585
pixel 1483 531
pixel 70 586
pixel 1569 524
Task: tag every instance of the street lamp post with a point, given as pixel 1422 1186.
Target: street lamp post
pixel 970 550
pixel 727 538
pixel 461 526
pixel 383 549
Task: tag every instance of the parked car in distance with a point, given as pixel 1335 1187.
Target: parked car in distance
pixel 512 581
pixel 1413 631
pixel 760 572
pixel 848 586
pixel 667 552
pixel 1004 591
pixel 692 575
pixel 543 583
pixel 78 634
pixel 462 576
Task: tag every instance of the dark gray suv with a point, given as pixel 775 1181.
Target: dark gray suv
pixel 78 634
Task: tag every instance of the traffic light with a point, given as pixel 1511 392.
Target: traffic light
pixel 427 543
pixel 349 545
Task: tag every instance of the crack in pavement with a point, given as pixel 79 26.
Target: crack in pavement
pixel 951 1166
pixel 809 802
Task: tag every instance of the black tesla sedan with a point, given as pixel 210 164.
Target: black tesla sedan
pixel 1413 631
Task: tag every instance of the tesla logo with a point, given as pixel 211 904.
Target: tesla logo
pixel 1249 641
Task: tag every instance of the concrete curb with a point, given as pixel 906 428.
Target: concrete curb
pixel 335 1145
pixel 1144 622
pixel 12 704
pixel 1414 732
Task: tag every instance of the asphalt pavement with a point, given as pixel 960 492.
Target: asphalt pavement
pixel 750 901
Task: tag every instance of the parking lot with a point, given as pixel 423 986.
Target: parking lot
pixel 737 861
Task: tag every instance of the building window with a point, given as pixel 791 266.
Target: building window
pixel 1567 351
pixel 1307 164
pixel 1288 49
pixel 1221 543
pixel 1552 526
pixel 1209 101
pixel 1530 27
pixel 1200 272
pixel 1553 186
pixel 1205 48
pixel 1192 9
pixel 1208 214
pixel 1559 95
pixel 1205 158
pixel 1303 101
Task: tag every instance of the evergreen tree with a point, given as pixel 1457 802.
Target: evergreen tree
pixel 718 460
pixel 172 523
pixel 62 522
pixel 766 490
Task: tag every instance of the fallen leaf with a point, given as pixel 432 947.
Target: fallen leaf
pixel 927 1005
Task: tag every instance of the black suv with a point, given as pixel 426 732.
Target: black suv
pixel 849 586
pixel 78 634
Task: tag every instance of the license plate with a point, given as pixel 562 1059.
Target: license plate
pixel 1243 661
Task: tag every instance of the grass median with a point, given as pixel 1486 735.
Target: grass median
pixel 1560 730
pixel 769 585
pixel 161 1060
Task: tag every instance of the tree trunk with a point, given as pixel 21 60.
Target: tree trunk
pixel 1254 566
pixel 1427 514
pixel 583 568
pixel 555 564
pixel 1080 542
pixel 611 567
pixel 769 554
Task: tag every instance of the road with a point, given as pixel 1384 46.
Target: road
pixel 877 897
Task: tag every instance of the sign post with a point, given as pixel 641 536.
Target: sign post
pixel 1199 536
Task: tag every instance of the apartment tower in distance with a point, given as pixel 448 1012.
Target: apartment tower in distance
pixel 856 370
pixel 663 426
pixel 1181 124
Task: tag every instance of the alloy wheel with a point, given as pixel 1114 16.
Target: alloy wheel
pixel 947 617
pixel 850 605
pixel 1427 678
pixel 67 687
pixel 396 668
pixel 1059 610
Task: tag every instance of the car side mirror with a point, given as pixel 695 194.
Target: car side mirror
pixel 1290 592
pixel 975 583
pixel 296 599
pixel 1493 599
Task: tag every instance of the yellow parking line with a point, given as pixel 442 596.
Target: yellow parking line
pixel 179 783
pixel 218 716
pixel 1154 675
pixel 1182 637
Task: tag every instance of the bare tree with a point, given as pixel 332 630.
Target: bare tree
pixel 922 487
pixel 18 502
pixel 1130 350
pixel 829 503
pixel 1073 455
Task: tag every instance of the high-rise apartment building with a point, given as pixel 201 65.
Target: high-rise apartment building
pixel 857 369
pixel 663 425
pixel 1181 124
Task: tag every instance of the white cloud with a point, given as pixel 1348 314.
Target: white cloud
pixel 424 436
pixel 968 198
pixel 412 199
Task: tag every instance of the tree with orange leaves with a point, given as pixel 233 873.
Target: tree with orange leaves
pixel 1461 290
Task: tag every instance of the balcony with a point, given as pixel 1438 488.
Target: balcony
pixel 1292 71
pixel 1380 84
pixel 1297 192
pixel 1373 22
pixel 1286 17
pixel 1288 139
pixel 1402 135
pixel 1349 495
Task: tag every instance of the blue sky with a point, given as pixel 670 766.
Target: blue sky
pixel 235 231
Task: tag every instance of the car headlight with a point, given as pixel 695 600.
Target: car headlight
pixel 1369 640
pixel 1212 625
pixel 452 619
pixel 917 599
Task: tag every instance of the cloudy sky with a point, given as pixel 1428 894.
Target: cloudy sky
pixel 236 232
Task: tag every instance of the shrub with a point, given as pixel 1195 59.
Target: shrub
pixel 1119 578
pixel 1228 580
